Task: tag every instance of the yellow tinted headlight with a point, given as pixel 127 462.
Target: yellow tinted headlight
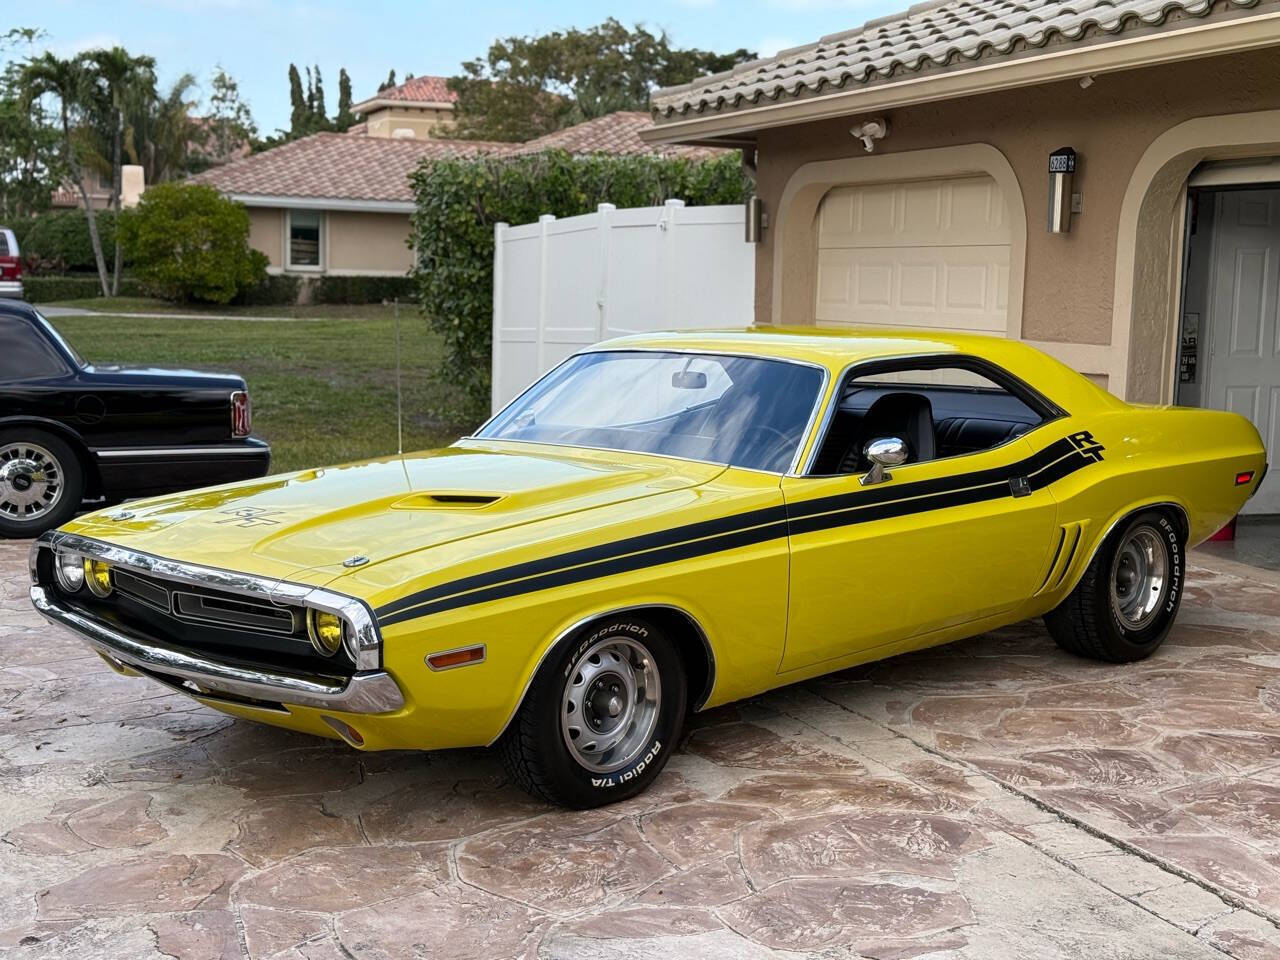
pixel 97 574
pixel 325 630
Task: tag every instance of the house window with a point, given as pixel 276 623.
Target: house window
pixel 304 239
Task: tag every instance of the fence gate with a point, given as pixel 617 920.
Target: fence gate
pixel 561 285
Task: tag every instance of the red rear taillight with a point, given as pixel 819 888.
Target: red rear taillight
pixel 241 415
pixel 10 268
pixel 1243 477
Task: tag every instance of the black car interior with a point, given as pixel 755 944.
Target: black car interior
pixel 934 419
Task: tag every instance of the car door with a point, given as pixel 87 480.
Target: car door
pixel 942 542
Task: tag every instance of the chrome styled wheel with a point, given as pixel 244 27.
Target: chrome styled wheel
pixel 611 704
pixel 31 482
pixel 1139 577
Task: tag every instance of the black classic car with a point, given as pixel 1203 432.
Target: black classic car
pixel 72 432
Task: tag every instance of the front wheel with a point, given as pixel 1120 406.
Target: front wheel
pixel 1125 603
pixel 601 716
pixel 41 482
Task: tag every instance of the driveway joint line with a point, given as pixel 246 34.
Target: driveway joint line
pixel 1228 898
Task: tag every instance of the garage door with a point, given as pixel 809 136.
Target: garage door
pixel 932 254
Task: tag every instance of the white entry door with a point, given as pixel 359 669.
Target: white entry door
pixel 1244 322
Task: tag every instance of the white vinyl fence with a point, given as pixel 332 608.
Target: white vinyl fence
pixel 561 285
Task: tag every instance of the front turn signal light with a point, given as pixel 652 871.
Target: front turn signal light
pixel 97 574
pixel 325 630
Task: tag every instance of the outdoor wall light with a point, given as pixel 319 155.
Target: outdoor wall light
pixel 1062 165
pixel 756 219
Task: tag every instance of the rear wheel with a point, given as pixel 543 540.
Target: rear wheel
pixel 1126 602
pixel 41 482
pixel 600 717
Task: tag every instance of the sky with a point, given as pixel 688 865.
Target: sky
pixel 255 40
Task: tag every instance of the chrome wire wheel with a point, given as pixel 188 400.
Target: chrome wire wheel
pixel 31 481
pixel 611 703
pixel 1139 577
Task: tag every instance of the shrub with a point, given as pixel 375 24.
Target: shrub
pixel 188 242
pixel 43 289
pixel 275 290
pixel 362 289
pixel 34 263
pixel 458 202
pixel 64 235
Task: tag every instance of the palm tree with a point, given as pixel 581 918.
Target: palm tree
pixel 117 76
pixel 159 130
pixel 66 80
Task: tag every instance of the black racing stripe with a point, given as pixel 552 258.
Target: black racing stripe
pixel 976 478
pixel 587 555
pixel 605 568
pixel 1048 465
pixel 898 508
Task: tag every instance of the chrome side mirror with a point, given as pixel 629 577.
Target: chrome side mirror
pixel 885 452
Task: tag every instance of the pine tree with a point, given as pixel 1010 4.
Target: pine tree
pixel 321 118
pixel 345 117
pixel 298 114
pixel 389 83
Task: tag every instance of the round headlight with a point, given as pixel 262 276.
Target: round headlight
pixel 68 570
pixel 97 574
pixel 325 630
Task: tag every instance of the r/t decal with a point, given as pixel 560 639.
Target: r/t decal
pixel 1088 447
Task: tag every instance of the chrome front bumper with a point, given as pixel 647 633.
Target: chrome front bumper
pixel 368 691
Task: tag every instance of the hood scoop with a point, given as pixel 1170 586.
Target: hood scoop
pixel 446 500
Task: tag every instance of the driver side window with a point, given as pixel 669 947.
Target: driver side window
pixel 938 407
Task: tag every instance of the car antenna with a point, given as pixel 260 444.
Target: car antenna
pixel 399 401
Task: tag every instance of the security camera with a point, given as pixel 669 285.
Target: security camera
pixel 870 131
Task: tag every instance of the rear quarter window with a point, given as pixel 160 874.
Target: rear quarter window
pixel 25 354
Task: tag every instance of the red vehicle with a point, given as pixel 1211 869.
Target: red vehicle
pixel 10 265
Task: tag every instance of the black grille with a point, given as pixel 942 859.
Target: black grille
pixel 142 590
pixel 248 628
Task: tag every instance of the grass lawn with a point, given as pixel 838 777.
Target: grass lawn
pixel 323 385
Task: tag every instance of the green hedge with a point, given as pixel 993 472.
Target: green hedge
pixel 458 202
pixel 45 289
pixel 362 289
pixel 276 290
pixel 65 234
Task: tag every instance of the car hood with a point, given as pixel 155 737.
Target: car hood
pixel 302 526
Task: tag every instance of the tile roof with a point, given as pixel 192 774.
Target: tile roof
pixel 616 133
pixel 343 166
pixel 952 34
pixel 420 90
pixel 337 166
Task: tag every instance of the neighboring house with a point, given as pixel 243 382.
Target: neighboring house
pixel 410 111
pixel 332 203
pixel 99 189
pixel 339 203
pixel 1173 110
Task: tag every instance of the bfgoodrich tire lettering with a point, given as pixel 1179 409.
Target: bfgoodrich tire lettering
pixel 601 716
pixel 1127 599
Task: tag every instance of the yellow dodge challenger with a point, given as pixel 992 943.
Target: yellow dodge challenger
pixel 661 524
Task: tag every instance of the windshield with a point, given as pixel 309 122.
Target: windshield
pixel 743 411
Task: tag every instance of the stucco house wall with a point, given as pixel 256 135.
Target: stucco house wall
pixel 1068 282
pixel 368 243
pixel 405 121
pixel 353 242
pixel 266 233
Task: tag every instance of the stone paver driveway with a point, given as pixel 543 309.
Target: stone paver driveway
pixel 992 799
